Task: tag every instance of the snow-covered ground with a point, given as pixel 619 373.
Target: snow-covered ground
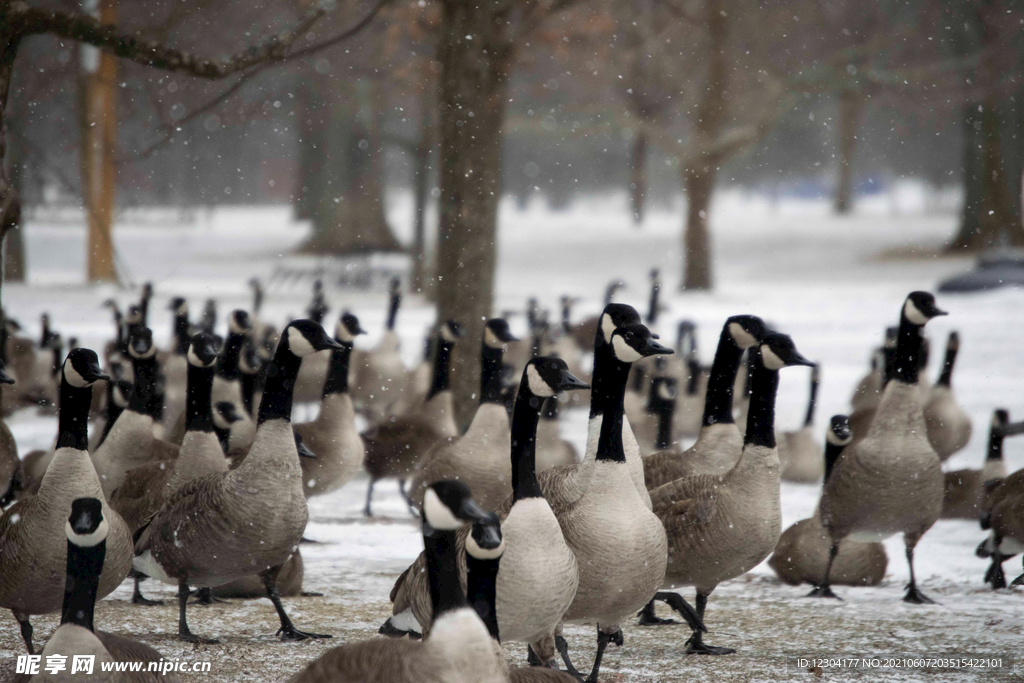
pixel 832 283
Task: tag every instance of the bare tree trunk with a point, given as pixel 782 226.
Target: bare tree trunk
pixel 312 124
pixel 851 105
pixel 347 202
pixel 638 180
pixel 474 55
pixel 14 244
pixel 700 173
pixel 421 281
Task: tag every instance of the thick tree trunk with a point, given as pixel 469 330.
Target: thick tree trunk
pixel 638 174
pixel 347 202
pixel 699 184
pixel 421 280
pixel 474 55
pixel 851 105
pixel 13 240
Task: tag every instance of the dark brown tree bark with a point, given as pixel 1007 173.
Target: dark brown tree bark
pixel 701 170
pixel 13 241
pixel 421 280
pixel 474 58
pixel 851 105
pixel 638 174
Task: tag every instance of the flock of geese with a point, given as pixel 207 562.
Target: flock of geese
pixel 197 477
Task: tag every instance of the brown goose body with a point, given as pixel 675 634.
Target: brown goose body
pixel 949 425
pixel 289 582
pixel 338 447
pixel 802 552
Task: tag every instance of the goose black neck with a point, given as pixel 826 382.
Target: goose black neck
pixel 84 566
pixel 119 333
pixel 637 379
pixel 282 370
pixel 566 325
pixel 718 400
pixel 3 339
pixel 442 368
pixel 609 384
pixel 611 395
pixel 652 306
pixel 199 415
pixel 249 381
pixel 481 590
pixel 396 299
pixel 550 409
pixel 143 392
pixel 995 444
pixel 227 364
pixel 490 374
pixel 832 451
pixel 761 414
pixel 73 420
pixel 664 438
pixel 181 339
pixel 44 337
pixel 525 417
pixel 113 412
pixel 442 570
pixel 906 364
pixel 693 381
pixel 223 438
pixel 946 377
pixel 812 401
pixel 337 369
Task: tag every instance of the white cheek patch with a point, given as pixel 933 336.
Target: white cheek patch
pixel 625 352
pixel 607 328
pixel 665 392
pixel 219 421
pixel 87 540
pixel 913 314
pixel 834 439
pixel 148 354
pixel 73 377
pixel 298 344
pixel 182 309
pixel 235 328
pixel 342 333
pixel 537 384
pixel 193 359
pixel 474 549
pixel 119 398
pixel 770 360
pixel 447 335
pixel 491 339
pixel 437 514
pixel 743 339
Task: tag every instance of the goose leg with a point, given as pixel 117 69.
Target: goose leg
pixel 369 496
pixel 26 631
pixel 563 650
pixel 542 652
pixel 695 645
pixel 287 630
pixel 405 497
pixel 183 631
pixel 994 575
pixel 824 589
pixel 602 642
pixel 649 618
pixel 204 596
pixel 138 598
pixel 914 595
pixel 676 602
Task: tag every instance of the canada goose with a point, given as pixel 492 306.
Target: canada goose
pixel 12 473
pixel 538 577
pixel 459 648
pixel 174 366
pixel 721 526
pixel 743 385
pixel 144 298
pixel 206 534
pixel 227 382
pixel 949 425
pixel 619 544
pixel 32 549
pixel 692 380
pixel 654 431
pixel 395 446
pixel 585 332
pixel 309 386
pixel 86 531
pixel 380 372
pixel 332 435
pixel 965 489
pixel 799 451
pixel 318 307
pixel 482 570
pixel 9 399
pixel 891 481
pixel 719 443
pixel 552 449
pixel 802 550
pixel 250 367
pixel 37 385
pixel 1001 512
pixel 208 321
pixel 289 583
pixel 479 457
pixel 869 388
pixel 130 442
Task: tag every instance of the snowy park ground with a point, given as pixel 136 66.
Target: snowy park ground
pixel 832 283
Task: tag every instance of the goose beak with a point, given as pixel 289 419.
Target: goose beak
pixel 1013 428
pixel 653 348
pixel 569 382
pixel 303 449
pixel 228 412
pixel 797 358
pixel 94 373
pixel 470 510
pixel 325 342
pixel 490 533
pixel 5 378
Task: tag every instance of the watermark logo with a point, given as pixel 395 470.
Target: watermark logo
pixel 85 664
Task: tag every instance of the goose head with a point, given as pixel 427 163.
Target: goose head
pixel 778 351
pixel 120 391
pixel 839 433
pixel 238 323
pixel 614 316
pixel 347 328
pixel 545 376
pixel 86 526
pixel 5 378
pixel 613 286
pixel 485 540
pixel 302 449
pixel 134 315
pixel 225 414
pixel 140 343
pixel 82 368
pixel 178 305
pixel 497 333
pixel 268 344
pixel 451 331
pixel 920 307
pixel 147 291
pixel 304 337
pixel 746 330
pixel 249 360
pixel 632 342
pixel 202 350
pixel 448 505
